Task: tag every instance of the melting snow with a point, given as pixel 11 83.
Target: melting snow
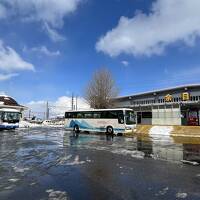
pixel 161 130
pixel 180 195
pixel 56 195
pixel 21 170
pixel 134 153
pixel 198 175
pixel 189 162
pixel 64 159
pixel 76 161
pixel 161 134
pixel 13 180
pixel 163 191
pixel 25 124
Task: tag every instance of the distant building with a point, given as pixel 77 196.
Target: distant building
pixel 172 106
pixel 9 102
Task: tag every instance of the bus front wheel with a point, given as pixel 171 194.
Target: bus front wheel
pixel 109 130
pixel 76 129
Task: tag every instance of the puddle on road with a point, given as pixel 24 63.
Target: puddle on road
pixel 40 145
pixel 168 148
pixel 29 154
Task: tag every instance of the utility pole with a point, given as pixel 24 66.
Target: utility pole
pixel 76 102
pixel 47 111
pixel 29 114
pixel 72 101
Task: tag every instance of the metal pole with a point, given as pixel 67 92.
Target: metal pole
pixel 47 111
pixel 76 103
pixel 72 101
pixel 29 114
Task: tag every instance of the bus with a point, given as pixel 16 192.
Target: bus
pixel 110 121
pixel 9 118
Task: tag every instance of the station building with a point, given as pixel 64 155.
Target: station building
pixel 172 106
pixel 7 102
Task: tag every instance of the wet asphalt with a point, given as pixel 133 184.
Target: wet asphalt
pixel 51 163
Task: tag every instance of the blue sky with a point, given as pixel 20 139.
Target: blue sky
pixel 49 48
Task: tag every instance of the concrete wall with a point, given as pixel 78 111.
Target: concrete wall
pixel 146 121
pixel 169 116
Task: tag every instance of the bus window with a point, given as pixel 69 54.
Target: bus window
pixel 66 115
pixel 80 115
pixel 112 114
pixel 70 115
pixel 11 117
pixel 104 114
pixel 88 115
pixel 97 115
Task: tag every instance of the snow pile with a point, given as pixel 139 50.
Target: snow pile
pixel 25 124
pixel 52 125
pixel 132 153
pixel 161 134
pixel 161 130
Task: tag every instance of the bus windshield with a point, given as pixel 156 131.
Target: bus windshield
pixel 129 117
pixel 10 116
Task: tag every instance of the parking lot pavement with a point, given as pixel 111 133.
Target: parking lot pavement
pixel 51 163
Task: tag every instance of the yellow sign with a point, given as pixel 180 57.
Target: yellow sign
pixel 185 96
pixel 168 98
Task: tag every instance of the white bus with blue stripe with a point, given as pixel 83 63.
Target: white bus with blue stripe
pixel 9 118
pixel 110 121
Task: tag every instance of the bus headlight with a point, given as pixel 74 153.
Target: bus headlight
pixel 128 128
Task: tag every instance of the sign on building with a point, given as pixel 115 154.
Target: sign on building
pixel 168 98
pixel 185 96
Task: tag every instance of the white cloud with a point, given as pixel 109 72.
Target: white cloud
pixel 169 21
pixel 53 34
pixel 43 50
pixel 49 12
pixel 4 77
pixel 57 107
pixel 125 63
pixel 11 61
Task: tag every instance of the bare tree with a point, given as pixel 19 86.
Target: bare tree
pixel 101 89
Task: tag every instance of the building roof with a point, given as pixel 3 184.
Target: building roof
pixel 8 101
pixel 161 90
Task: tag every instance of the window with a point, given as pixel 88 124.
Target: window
pixel 130 117
pixel 10 116
pixel 80 115
pixel 88 115
pixel 112 114
pixel 97 115
pixel 146 114
pixel 70 115
pixel 67 115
